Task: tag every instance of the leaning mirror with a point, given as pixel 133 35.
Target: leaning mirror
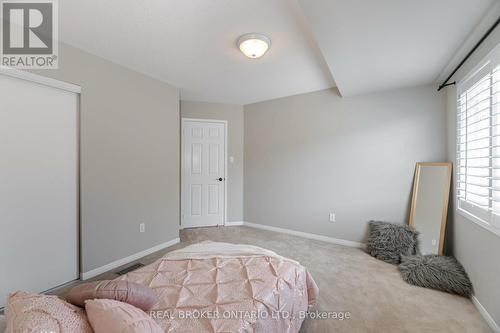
pixel 429 205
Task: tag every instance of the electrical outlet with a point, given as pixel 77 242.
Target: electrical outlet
pixel 332 217
pixel 142 227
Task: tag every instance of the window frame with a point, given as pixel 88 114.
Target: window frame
pixel 483 217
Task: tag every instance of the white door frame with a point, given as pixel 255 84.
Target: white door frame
pixel 73 88
pixel 217 121
pixel 35 78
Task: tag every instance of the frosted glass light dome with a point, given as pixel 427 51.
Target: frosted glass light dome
pixel 254 45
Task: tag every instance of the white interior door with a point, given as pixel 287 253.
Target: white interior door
pixel 38 186
pixel 203 173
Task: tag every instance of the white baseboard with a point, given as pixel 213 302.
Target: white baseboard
pixel 233 224
pixel 126 260
pixel 299 234
pixel 486 316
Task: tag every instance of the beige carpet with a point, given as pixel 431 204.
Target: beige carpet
pixel 349 280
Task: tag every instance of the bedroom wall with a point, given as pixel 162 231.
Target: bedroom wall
pixel 312 154
pixel 234 116
pixel 475 247
pixel 129 157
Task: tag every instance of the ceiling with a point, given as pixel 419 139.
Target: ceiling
pixel 361 46
pixel 385 44
pixel 192 44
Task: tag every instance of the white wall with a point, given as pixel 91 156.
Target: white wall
pixel 475 247
pixel 129 157
pixel 311 154
pixel 234 116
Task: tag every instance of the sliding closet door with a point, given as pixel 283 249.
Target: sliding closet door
pixel 38 186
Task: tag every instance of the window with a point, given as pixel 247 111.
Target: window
pixel 478 144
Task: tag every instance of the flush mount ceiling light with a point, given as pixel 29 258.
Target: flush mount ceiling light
pixel 254 45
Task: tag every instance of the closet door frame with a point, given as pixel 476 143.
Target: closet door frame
pixel 53 83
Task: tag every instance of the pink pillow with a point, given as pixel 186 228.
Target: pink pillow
pixel 109 316
pixel 136 294
pixel 27 312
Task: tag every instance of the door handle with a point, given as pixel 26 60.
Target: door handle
pixel 220 179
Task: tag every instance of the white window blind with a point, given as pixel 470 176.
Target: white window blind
pixel 478 144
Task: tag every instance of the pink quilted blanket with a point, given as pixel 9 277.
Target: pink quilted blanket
pixel 221 287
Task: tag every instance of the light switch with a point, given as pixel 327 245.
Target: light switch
pixel 231 159
pixel 332 217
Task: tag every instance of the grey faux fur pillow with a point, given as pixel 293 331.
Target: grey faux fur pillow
pixel 388 241
pixel 436 272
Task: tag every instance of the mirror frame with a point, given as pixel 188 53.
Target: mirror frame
pixel 446 198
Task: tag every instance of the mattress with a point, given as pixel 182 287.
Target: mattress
pixel 222 287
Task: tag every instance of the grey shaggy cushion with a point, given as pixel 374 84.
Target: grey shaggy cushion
pixel 388 241
pixel 436 272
